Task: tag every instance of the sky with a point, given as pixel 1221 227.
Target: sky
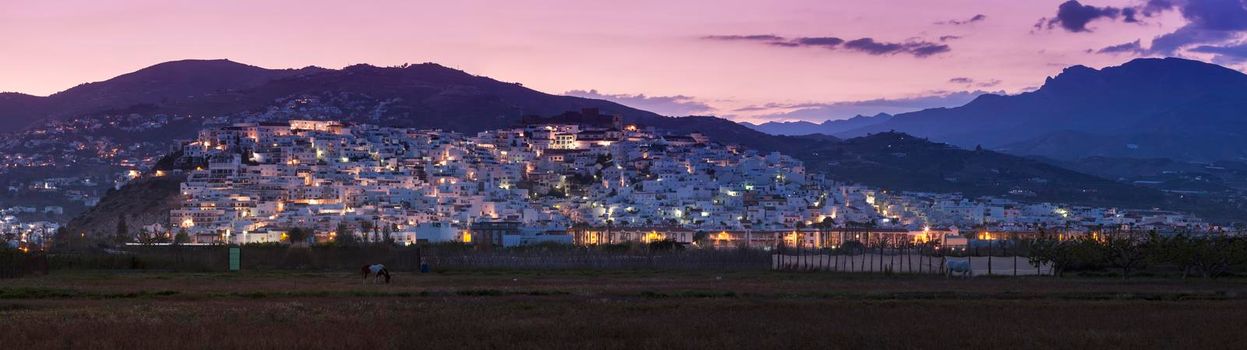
pixel 753 61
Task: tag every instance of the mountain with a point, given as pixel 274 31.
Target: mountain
pixel 829 127
pixel 1147 108
pixel 422 95
pixel 165 84
pixel 18 111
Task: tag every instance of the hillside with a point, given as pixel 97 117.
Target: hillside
pixel 1146 108
pixel 897 161
pixel 422 95
pixel 144 202
pixel 18 111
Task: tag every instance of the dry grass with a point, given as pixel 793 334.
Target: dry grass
pixel 630 310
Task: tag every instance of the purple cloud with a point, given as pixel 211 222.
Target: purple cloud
pixel 975 18
pixel 1073 16
pixel 756 37
pixel 828 42
pixel 1212 27
pixel 843 110
pixel 918 49
pixel 678 105
pixel 1130 47
pixel 869 46
pixel 970 82
pixel 1232 54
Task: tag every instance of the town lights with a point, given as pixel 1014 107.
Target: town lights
pixel 653 236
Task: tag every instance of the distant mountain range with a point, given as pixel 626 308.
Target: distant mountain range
pixel 1147 108
pixel 829 127
pixel 436 97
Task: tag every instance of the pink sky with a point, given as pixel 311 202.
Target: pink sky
pixel 646 47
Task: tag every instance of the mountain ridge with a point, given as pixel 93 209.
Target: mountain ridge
pixel 1181 100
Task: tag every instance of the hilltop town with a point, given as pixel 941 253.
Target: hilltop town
pixel 579 177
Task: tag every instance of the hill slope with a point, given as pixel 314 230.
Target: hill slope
pixel 897 161
pixel 18 111
pixel 422 95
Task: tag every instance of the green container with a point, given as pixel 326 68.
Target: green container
pixel 235 258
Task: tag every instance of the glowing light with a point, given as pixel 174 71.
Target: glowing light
pixel 653 236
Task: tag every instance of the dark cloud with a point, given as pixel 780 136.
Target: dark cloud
pixel 757 37
pixel 1128 15
pixel 1212 27
pixel 870 46
pixel 916 48
pixel 949 37
pixel 1231 54
pixel 970 82
pixel 678 105
pixel 1153 7
pixel 1223 15
pixel 1074 16
pixel 1130 47
pixel 840 110
pixel 828 42
pixel 925 49
pixel 955 22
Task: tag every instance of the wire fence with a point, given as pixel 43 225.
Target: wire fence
pixel 967 265
pixel 15 264
pixel 432 258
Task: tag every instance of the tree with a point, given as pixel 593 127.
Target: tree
pixel 1124 253
pixel 1213 256
pixel 824 228
pixel 1064 255
pixel 1178 250
pixel 146 237
pixel 181 237
pixel 387 236
pixel 63 240
pixel 298 235
pixel 123 231
pixel 344 236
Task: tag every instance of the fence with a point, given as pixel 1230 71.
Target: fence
pixel 14 264
pixel 589 259
pixel 910 264
pixel 259 258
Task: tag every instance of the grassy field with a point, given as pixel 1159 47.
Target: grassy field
pixel 622 310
